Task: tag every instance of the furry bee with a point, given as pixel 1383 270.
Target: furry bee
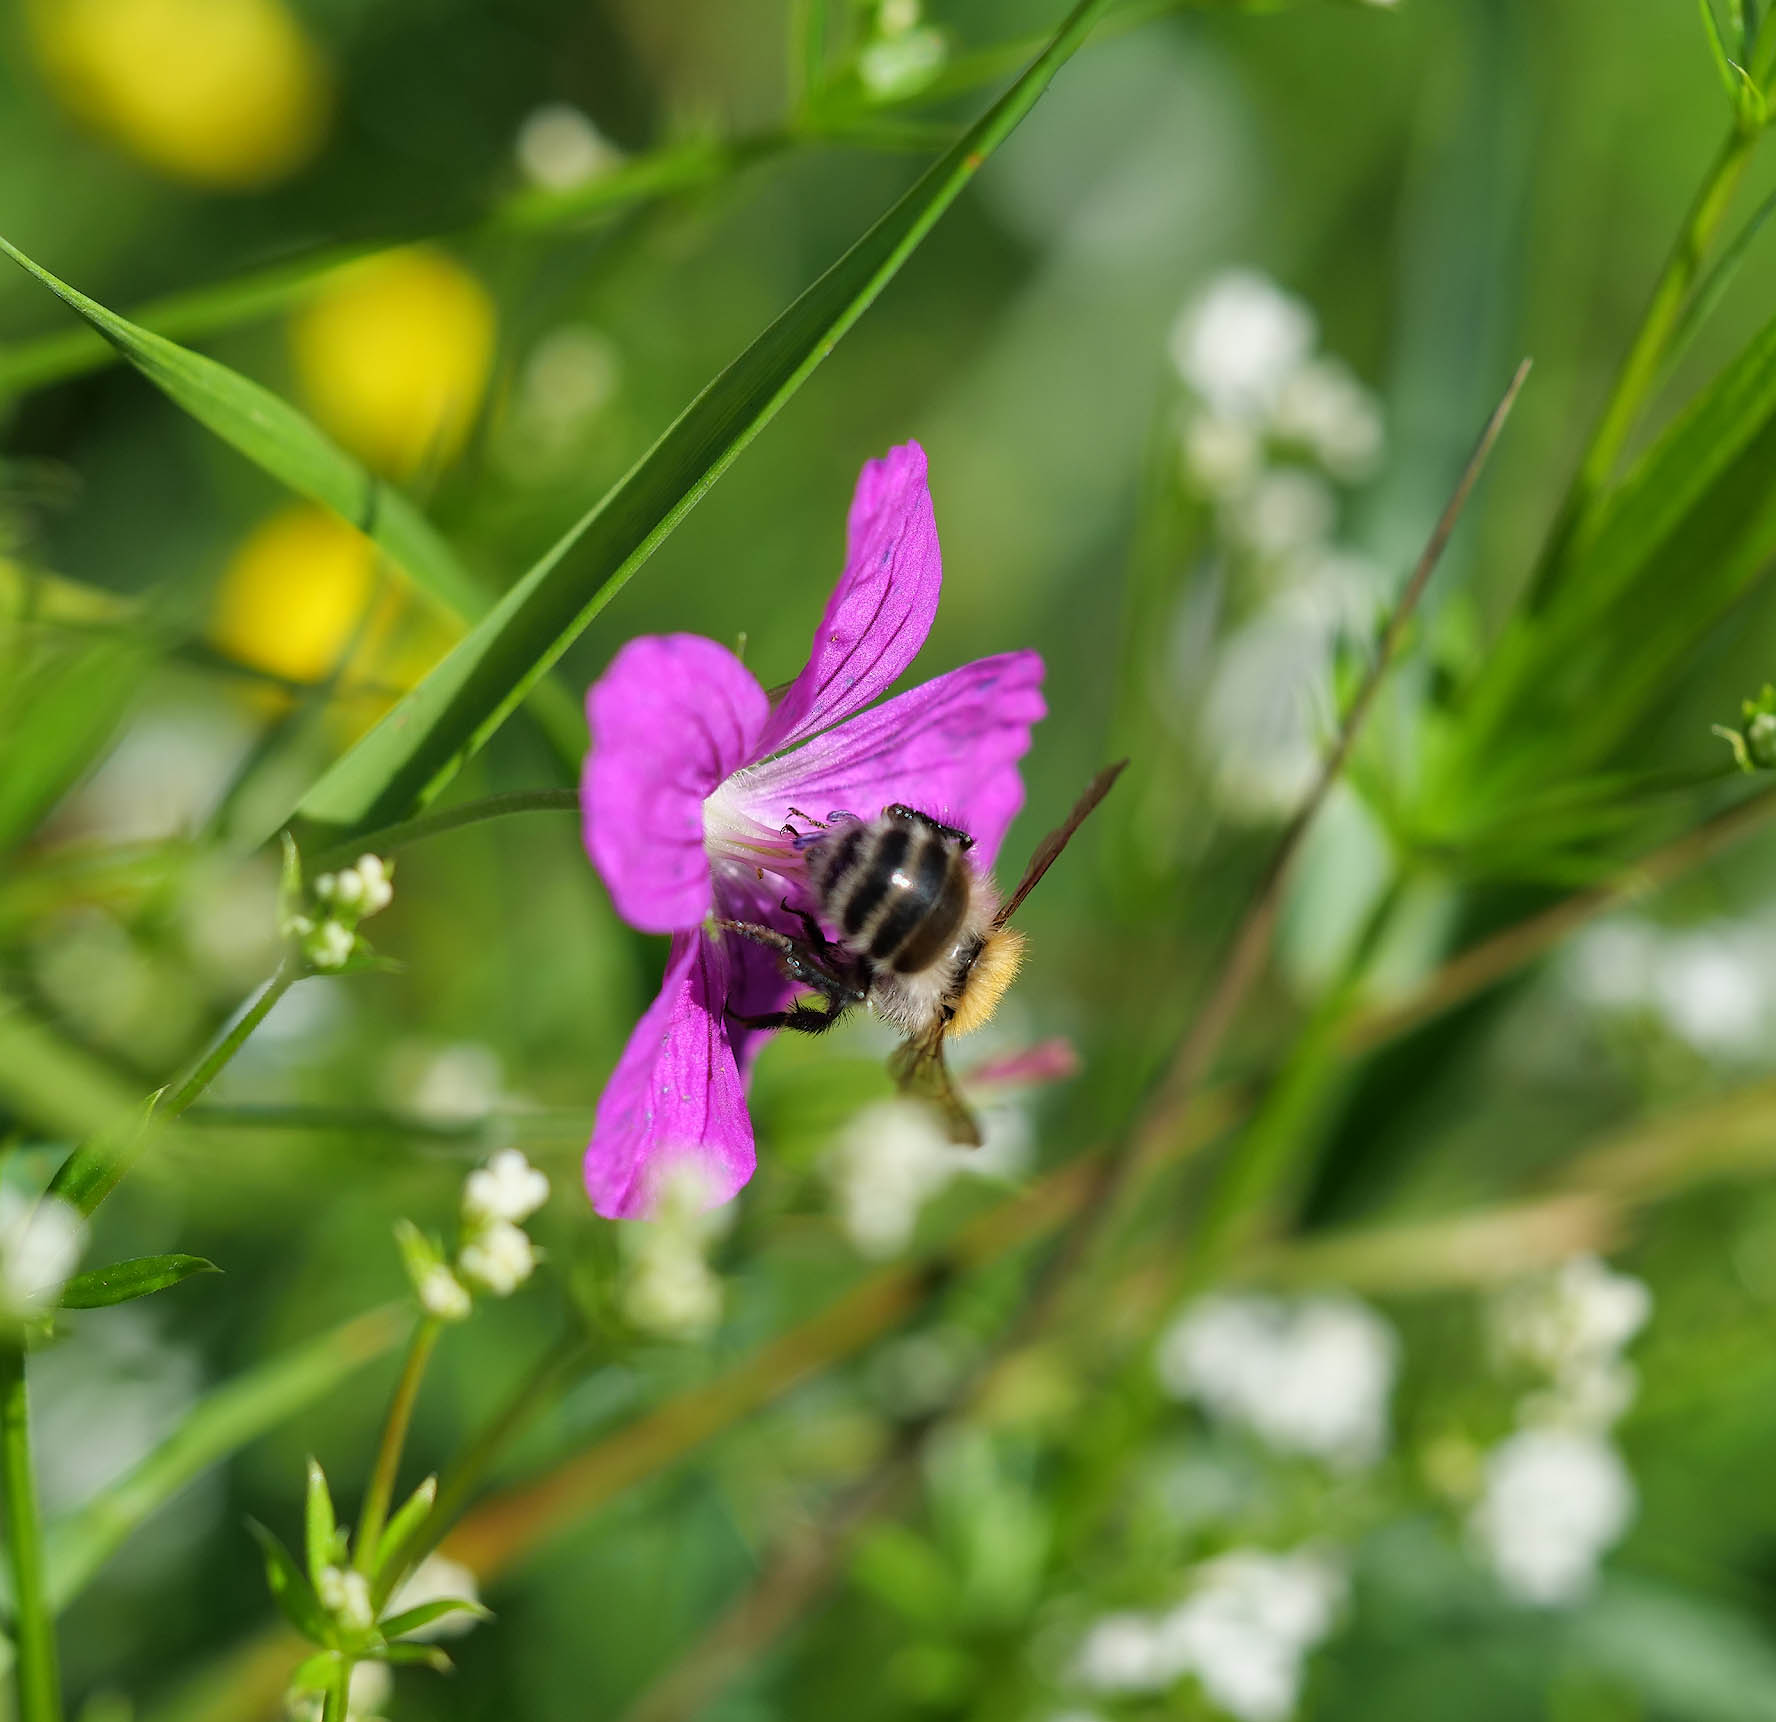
pixel 924 939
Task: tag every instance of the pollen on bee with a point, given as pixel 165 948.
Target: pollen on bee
pixel 993 971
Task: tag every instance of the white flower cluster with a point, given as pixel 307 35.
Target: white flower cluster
pixel 345 898
pixel 892 1157
pixel 669 1288
pixel 494 1253
pixel 1244 1632
pixel 40 1243
pixel 1709 986
pixel 1270 427
pixel 1556 1494
pixel 1312 1377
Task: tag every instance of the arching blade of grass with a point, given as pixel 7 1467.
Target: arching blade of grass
pixel 400 764
pixel 285 443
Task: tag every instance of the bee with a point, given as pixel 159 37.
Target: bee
pixel 923 937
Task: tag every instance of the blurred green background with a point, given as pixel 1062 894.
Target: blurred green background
pixel 1445 188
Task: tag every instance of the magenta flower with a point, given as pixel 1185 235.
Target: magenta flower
pixel 689 787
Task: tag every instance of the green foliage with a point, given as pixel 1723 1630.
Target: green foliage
pixel 123 1282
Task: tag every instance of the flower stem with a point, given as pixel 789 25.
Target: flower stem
pixel 394 1440
pixel 1641 369
pixel 97 1167
pixel 39 1683
pixel 336 1706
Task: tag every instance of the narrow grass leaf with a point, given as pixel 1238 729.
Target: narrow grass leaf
pixel 289 446
pixel 407 758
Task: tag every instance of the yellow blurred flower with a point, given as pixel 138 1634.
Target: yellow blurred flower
pixel 294 597
pixel 393 357
pixel 228 93
pixel 294 593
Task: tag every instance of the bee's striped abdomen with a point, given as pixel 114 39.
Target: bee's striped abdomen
pixel 898 888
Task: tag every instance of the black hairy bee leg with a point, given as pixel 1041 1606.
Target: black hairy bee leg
pixel 813 968
pixel 817 940
pixel 901 811
pixel 802 1018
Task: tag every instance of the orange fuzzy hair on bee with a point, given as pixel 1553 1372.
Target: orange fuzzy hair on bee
pixel 1001 956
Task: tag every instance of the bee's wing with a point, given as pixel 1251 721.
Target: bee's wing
pixel 1049 849
pixel 920 1069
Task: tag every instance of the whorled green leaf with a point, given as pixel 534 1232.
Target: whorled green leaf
pixel 236 1413
pixel 292 449
pixel 414 1619
pixel 290 1590
pixel 407 758
pixel 401 1525
pixel 122 1282
pixel 322 1546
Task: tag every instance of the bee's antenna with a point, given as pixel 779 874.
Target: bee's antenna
pixel 1049 849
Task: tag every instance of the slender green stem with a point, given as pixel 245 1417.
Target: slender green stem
pixel 451 819
pixel 97 1167
pixel 39 1683
pixel 1646 357
pixel 336 1707
pixel 394 1439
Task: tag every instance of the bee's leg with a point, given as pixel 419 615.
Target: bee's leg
pixel 902 811
pixel 817 940
pixel 797 813
pixel 813 967
pixel 803 1018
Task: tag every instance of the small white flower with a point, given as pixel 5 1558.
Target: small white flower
pixel 376 885
pixel 345 1594
pixel 437 1579
pixel 896 17
pixel 325 885
pixel 1312 1378
pixel 559 148
pixel 1222 455
pixel 499 1257
pixel 330 945
pixel 1239 340
pixel 897 65
pixel 1123 1653
pixel 1555 1501
pixel 1286 511
pixel 349 890
pixel 1710 987
pixel 443 1295
pixel 1571 1326
pixel 1246 1628
pixel 40 1245
pixel 508 1187
pixel 1324 406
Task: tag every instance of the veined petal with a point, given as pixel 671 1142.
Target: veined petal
pixel 880 611
pixel 672 716
pixel 676 1094
pixel 949 747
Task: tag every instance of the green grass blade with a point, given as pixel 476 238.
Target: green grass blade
pixel 229 1418
pixel 287 444
pixel 401 763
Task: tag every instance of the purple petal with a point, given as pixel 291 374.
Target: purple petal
pixel 671 717
pixel 676 1095
pixel 948 747
pixel 757 984
pixel 881 609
